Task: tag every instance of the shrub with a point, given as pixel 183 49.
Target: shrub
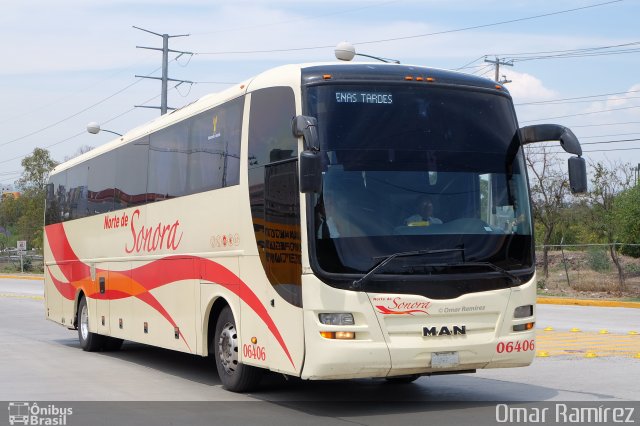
pixel 598 259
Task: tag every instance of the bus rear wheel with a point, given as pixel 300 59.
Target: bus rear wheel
pixel 90 342
pixel 234 376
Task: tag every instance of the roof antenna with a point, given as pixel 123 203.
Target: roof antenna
pixel 345 51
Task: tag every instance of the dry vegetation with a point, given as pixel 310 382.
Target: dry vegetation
pixel 591 275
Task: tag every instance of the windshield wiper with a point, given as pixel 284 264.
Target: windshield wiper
pixel 514 278
pixel 359 283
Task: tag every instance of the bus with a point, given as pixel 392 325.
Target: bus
pixel 276 226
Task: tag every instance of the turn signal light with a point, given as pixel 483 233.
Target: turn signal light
pixel 524 327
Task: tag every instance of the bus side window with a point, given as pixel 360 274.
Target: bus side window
pixel 273 189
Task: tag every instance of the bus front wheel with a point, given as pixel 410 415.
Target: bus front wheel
pixel 90 342
pixel 234 376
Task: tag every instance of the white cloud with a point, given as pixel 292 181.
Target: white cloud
pixel 527 88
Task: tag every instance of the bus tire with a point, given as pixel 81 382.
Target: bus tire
pixel 235 377
pixel 90 342
pixel 398 380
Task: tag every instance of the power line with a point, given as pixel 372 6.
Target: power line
pixel 584 49
pixel 566 52
pixel 584 55
pixel 70 116
pixel 606 124
pixel 84 132
pixel 510 21
pixel 574 100
pixel 309 18
pixel 581 114
pixel 57 101
pixel 608 136
pixel 35 132
pixel 607 142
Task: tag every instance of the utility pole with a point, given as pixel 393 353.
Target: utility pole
pixel 165 68
pixel 497 63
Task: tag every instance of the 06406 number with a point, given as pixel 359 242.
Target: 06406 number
pixel 254 352
pixel 517 346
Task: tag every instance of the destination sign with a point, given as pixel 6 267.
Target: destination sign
pixel 364 98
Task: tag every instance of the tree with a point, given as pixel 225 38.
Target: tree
pixel 627 215
pixel 549 191
pixel 609 180
pixel 36 168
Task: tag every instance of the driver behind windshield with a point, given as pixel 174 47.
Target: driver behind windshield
pixel 424 215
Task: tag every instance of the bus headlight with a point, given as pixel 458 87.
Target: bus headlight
pixel 523 311
pixel 336 319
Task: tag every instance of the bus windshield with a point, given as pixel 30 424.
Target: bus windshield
pixel 418 168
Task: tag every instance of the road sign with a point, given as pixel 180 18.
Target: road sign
pixel 22 245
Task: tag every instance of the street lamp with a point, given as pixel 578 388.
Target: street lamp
pixel 345 51
pixel 94 129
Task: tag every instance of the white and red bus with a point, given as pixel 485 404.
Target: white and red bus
pixel 325 221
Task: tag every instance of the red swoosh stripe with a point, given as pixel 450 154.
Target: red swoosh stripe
pixel 154 275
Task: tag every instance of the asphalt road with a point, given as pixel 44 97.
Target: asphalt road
pixel 42 361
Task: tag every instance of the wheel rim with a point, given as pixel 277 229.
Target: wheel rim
pixel 84 323
pixel 228 348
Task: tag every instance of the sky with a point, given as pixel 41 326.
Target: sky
pixel 70 62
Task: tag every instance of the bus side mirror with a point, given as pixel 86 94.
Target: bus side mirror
pixel 310 163
pixel 310 172
pixel 306 127
pixel 577 175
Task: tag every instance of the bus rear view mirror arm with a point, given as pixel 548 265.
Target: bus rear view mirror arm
pixel 551 132
pixel 569 142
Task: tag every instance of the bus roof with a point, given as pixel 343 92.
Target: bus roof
pixel 311 73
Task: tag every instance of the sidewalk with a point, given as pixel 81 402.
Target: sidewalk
pixel 587 302
pixel 22 276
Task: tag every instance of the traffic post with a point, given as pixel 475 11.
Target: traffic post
pixel 22 250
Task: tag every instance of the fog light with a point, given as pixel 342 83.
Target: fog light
pixel 345 335
pixel 338 335
pixel 336 319
pixel 523 311
pixel 524 327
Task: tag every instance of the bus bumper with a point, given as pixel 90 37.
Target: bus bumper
pixel 398 335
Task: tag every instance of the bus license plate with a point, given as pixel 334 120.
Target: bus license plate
pixel 445 359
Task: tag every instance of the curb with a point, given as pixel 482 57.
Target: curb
pixel 587 302
pixel 23 277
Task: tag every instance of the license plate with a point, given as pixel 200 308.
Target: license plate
pixel 445 359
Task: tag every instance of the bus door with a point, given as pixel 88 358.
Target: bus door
pixel 283 265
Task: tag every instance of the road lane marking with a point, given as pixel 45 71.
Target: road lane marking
pixel 558 343
pixel 21 296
